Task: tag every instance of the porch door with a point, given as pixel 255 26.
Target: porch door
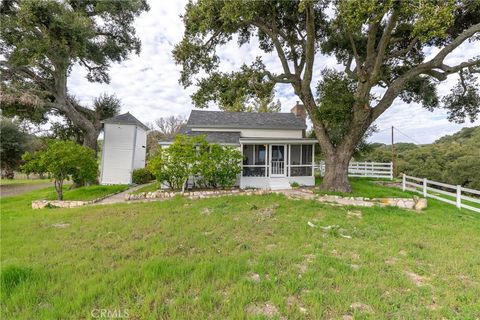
pixel 277 160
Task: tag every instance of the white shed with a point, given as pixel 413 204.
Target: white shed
pixel 124 149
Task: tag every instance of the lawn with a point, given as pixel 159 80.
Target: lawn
pixel 88 193
pixel 239 257
pixel 5 182
pixel 151 187
pixel 365 187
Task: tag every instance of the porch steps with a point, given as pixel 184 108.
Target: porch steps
pixel 279 184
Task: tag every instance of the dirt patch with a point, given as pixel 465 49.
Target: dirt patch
pixel 206 211
pixel 267 310
pixel 294 301
pixel 254 277
pixel 391 261
pixel 418 280
pixel 361 307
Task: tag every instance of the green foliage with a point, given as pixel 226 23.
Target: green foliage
pixel 13 143
pixel 42 40
pixel 63 160
pixel 218 166
pixel 335 101
pixel 142 176
pixel 452 159
pixel 211 164
pixel 175 164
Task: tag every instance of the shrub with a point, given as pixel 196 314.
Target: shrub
pixel 142 176
pixel 175 164
pixel 218 166
pixel 63 160
pixel 213 165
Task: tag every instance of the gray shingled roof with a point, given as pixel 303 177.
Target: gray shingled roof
pixel 213 136
pixel 125 118
pixel 244 120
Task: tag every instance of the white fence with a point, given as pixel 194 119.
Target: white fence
pixel 438 190
pixel 364 169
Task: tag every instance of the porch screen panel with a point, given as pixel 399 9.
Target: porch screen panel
pixel 295 154
pixel 307 154
pixel 301 164
pixel 254 157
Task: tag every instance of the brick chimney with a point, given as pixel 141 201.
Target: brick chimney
pixel 299 111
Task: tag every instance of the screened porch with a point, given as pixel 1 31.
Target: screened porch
pixel 278 160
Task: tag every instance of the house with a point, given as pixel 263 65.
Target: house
pixel 124 149
pixel 275 149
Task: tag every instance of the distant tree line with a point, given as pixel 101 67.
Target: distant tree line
pixel 453 159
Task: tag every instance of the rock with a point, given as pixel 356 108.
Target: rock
pixel 61 225
pixel 420 204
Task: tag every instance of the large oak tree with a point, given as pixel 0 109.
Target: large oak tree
pixel 385 47
pixel 42 40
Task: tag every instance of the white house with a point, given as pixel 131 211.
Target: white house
pixel 276 151
pixel 124 149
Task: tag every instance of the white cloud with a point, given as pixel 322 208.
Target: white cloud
pixel 148 84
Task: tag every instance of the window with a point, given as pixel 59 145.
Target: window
pixel 295 154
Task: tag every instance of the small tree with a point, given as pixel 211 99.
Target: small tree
pixel 13 143
pixel 63 160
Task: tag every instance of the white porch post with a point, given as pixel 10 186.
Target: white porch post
pixel 289 160
pixel 266 160
pixel 313 160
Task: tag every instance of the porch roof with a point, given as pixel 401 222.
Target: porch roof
pixel 278 140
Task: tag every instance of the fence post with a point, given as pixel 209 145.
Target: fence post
pixel 403 182
pixel 425 187
pixel 459 196
pixel 391 170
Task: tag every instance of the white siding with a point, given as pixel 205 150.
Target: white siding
pixel 117 154
pixel 259 133
pixel 140 149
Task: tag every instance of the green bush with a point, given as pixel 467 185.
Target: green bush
pixel 142 176
pixel 63 160
pixel 218 166
pixel 211 164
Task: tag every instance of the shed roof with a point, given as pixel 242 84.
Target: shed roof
pixel 244 120
pixel 125 118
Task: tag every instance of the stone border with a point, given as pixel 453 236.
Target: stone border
pixel 41 204
pixel 200 194
pixel 414 203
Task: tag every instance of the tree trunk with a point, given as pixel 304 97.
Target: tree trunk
pixel 90 140
pixel 336 173
pixel 59 188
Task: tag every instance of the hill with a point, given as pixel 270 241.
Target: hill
pixel 453 159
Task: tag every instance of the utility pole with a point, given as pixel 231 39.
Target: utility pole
pixel 393 154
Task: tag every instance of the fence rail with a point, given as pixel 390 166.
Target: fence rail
pixel 364 169
pixel 439 191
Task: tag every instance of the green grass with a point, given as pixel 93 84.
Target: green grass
pixel 5 182
pixel 365 187
pixel 154 186
pixel 193 259
pixel 88 193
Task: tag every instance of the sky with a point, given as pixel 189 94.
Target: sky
pixel 148 86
